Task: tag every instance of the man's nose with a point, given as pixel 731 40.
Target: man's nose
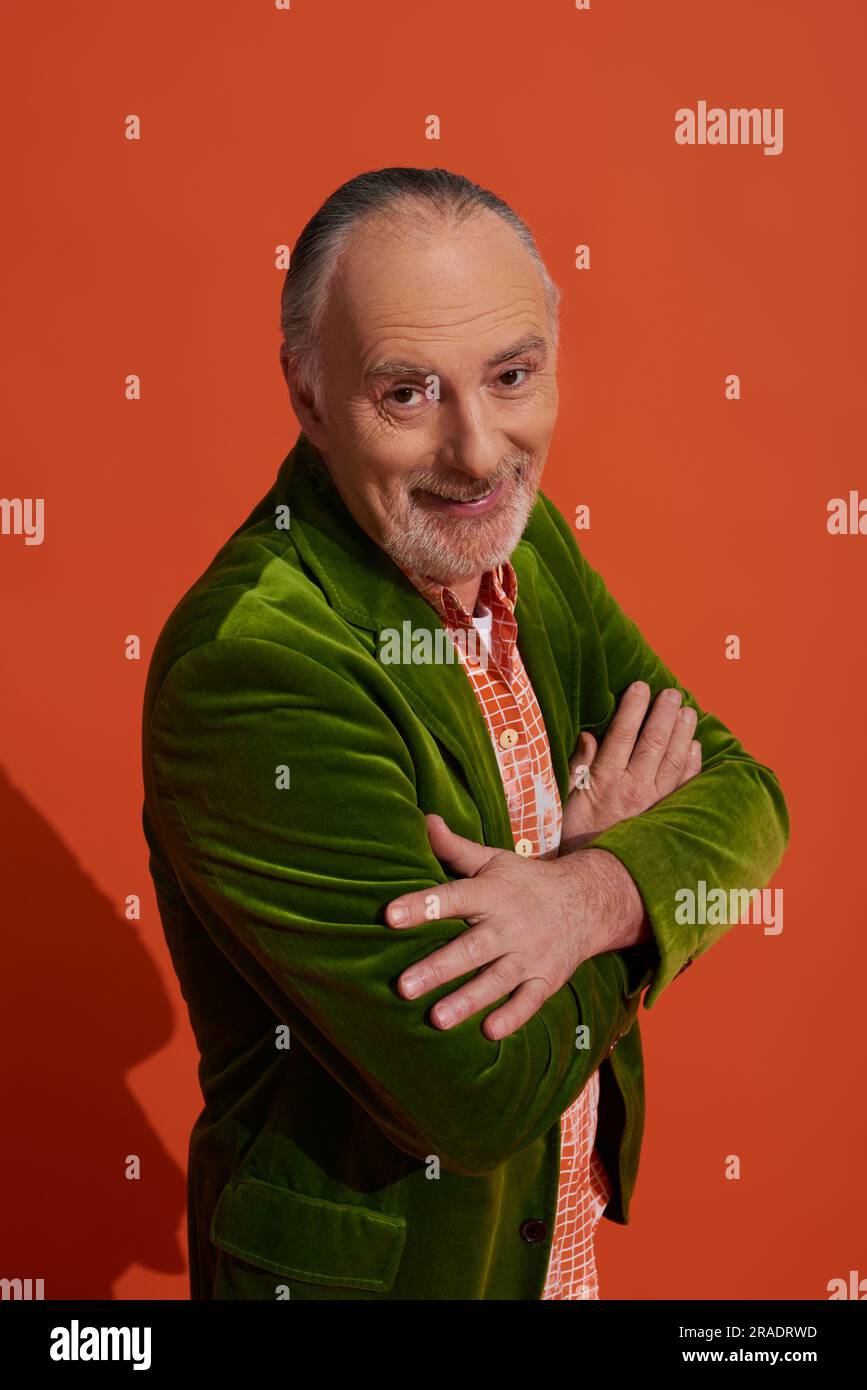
pixel 470 444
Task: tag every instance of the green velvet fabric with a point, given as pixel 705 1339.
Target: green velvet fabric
pixel 376 1156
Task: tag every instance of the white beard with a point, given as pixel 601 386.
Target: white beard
pixel 448 549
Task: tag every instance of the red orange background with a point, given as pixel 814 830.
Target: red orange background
pixel 708 517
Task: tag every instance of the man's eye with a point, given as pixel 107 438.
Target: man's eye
pixel 510 380
pixel 400 393
pixel 512 371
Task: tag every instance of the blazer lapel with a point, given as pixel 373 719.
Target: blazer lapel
pixel 546 667
pixel 364 585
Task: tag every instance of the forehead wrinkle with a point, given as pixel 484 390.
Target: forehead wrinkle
pixel 416 339
pixel 517 304
pixel 397 366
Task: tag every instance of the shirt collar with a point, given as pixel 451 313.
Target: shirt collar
pixel 498 590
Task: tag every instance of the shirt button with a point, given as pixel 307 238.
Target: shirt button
pixel 524 847
pixel 533 1231
pixel 508 738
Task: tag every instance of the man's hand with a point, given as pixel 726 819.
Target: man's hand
pixel 624 778
pixel 531 924
pixel 532 921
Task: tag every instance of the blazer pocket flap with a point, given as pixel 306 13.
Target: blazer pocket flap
pixel 307 1238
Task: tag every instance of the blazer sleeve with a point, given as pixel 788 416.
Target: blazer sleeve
pixel 290 873
pixel 728 826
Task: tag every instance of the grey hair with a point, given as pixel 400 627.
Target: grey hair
pixel 317 251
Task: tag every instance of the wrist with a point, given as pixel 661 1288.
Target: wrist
pixel 616 903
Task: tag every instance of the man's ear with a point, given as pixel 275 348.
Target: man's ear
pixel 309 418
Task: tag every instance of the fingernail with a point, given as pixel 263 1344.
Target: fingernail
pixel 411 984
pixel 641 687
pixel 445 1015
pixel 688 715
pixel 673 696
pixel 397 915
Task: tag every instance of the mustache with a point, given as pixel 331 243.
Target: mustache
pixel 519 466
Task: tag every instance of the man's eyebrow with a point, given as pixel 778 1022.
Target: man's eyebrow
pixel 534 342
pixel 401 366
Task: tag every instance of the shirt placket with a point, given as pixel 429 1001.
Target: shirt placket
pixel 517 732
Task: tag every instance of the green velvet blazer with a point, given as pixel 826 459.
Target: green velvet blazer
pixel 347 1148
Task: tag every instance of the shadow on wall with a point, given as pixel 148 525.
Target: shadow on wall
pixel 81 1002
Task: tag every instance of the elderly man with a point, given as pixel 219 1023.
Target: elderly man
pixel 413 904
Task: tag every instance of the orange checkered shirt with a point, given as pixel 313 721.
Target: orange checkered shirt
pixel 520 741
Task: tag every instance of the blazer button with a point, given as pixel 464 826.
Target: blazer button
pixel 533 1231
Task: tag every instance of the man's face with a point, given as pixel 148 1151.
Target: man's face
pixel 440 391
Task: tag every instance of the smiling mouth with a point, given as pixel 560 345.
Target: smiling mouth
pixel 447 496
pixel 441 501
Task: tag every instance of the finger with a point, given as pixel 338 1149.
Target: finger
pixel 490 985
pixel 693 761
pixel 467 857
pixel 675 759
pixel 525 1001
pixel 585 749
pixel 654 736
pixel 463 897
pixel 469 951
pixel 582 758
pixel 619 741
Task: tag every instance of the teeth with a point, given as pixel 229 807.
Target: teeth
pixel 447 497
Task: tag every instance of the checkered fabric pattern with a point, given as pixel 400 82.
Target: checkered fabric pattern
pixel 514 720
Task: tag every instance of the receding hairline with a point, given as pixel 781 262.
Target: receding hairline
pixel 410 217
pixel 422 219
